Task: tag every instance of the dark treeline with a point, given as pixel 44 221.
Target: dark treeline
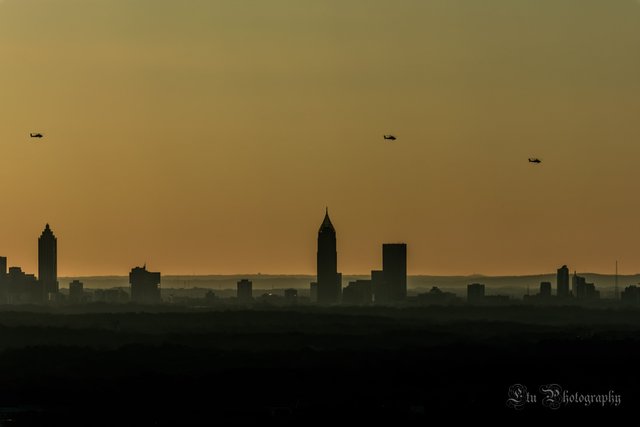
pixel 313 365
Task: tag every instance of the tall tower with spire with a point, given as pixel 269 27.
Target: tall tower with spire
pixel 329 286
pixel 48 261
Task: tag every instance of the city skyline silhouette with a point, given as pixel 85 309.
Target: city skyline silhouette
pixel 386 286
pixel 47 264
pixel 288 212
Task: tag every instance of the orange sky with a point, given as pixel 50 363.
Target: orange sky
pixel 208 136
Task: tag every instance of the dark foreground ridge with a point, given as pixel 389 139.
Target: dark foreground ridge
pixel 312 366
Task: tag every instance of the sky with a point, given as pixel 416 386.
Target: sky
pixel 208 136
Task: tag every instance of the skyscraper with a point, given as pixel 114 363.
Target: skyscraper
pixel 329 286
pixel 394 271
pixel 48 262
pixel 145 286
pixel 563 282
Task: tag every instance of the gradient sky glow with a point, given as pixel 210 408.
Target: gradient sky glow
pixel 207 136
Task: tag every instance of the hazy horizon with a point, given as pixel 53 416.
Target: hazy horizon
pixel 210 135
pixel 251 275
pixel 225 285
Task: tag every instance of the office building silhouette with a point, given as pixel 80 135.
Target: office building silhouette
pixel 358 292
pixel 590 291
pixel 111 296
pixel 583 290
pixel 145 286
pixel 245 290
pixel 48 263
pixel 630 295
pixel 22 287
pixel 17 287
pixel 329 281
pixel 577 285
pixel 393 286
pixel 76 291
pixel 475 293
pixel 562 282
pixel 545 289
pixel 437 297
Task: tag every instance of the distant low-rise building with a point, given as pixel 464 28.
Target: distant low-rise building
pixel 111 296
pixel 475 293
pixel 269 298
pixel 630 295
pixel 76 292
pixel 542 297
pixel 22 288
pixel 545 289
pixel 358 292
pixel 583 290
pixel 437 297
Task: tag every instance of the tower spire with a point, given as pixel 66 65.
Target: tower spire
pixel 326 223
pixel 48 262
pixel 329 285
